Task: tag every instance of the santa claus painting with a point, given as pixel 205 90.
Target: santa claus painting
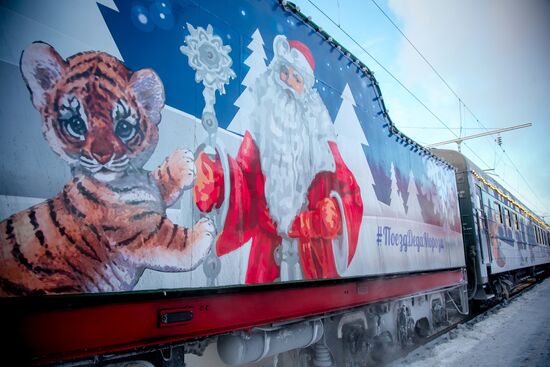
pixel 289 190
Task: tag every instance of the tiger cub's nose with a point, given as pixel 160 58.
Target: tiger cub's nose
pixel 102 151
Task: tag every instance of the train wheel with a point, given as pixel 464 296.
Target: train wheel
pixel 382 346
pixel 422 328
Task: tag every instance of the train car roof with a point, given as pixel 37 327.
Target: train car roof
pixel 463 164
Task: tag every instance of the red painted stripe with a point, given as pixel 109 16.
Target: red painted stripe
pixel 57 335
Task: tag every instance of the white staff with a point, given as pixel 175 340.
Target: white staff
pixel 209 57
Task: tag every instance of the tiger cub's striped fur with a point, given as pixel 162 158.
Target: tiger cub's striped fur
pixel 108 224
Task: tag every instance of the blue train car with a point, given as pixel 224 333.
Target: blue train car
pixel 504 241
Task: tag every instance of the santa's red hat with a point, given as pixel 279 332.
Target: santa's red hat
pixel 304 50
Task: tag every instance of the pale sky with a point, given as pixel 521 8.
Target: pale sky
pixel 495 55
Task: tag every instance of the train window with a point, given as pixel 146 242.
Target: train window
pixel 499 209
pixel 508 218
pixel 516 221
pixel 479 192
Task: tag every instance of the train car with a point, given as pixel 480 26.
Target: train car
pixel 504 241
pixel 178 175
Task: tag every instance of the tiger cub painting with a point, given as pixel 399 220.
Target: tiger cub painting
pixel 109 223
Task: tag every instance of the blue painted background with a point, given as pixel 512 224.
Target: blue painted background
pixel 156 45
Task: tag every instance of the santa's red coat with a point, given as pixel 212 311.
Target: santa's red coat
pixel 248 216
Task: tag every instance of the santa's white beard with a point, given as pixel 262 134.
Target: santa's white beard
pixel 293 149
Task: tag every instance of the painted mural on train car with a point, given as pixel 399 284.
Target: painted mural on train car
pixel 509 231
pixel 196 144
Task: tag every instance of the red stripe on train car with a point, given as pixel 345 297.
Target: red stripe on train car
pixel 60 335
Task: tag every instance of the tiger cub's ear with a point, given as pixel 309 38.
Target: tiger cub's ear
pixel 149 92
pixel 41 67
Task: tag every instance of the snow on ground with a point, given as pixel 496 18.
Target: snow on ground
pixel 517 335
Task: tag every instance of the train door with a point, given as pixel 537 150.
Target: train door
pixel 483 229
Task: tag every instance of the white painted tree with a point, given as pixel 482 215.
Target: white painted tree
pixel 396 202
pixel 257 64
pixel 438 207
pixel 350 140
pixel 414 212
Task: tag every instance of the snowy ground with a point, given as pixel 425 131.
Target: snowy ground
pixel 514 335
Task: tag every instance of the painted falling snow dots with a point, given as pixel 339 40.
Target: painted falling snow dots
pixel 141 18
pixel 161 13
pixel 158 14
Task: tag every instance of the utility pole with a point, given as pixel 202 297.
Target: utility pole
pixel 458 141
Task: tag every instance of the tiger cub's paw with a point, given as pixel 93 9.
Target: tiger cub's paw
pixel 175 175
pixel 202 237
pixel 206 226
pixel 182 167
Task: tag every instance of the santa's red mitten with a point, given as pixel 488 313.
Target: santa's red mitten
pixel 322 222
pixel 208 189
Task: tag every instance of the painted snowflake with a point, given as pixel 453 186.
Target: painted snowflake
pixel 209 57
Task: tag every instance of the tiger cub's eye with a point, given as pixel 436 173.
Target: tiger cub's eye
pixel 76 127
pixel 125 130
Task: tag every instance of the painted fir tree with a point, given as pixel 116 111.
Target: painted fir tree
pixel 395 209
pixel 351 141
pixel 257 65
pixel 414 211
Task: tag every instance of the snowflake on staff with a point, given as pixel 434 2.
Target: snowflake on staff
pixel 209 57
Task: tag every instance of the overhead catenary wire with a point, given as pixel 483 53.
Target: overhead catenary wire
pixel 460 100
pixel 412 94
pixel 460 114
pixel 383 67
pixel 429 64
pixel 521 175
pixel 416 49
pixel 437 128
pixel 393 76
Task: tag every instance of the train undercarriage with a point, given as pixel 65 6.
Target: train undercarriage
pixel 500 286
pixel 387 318
pixel 365 335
